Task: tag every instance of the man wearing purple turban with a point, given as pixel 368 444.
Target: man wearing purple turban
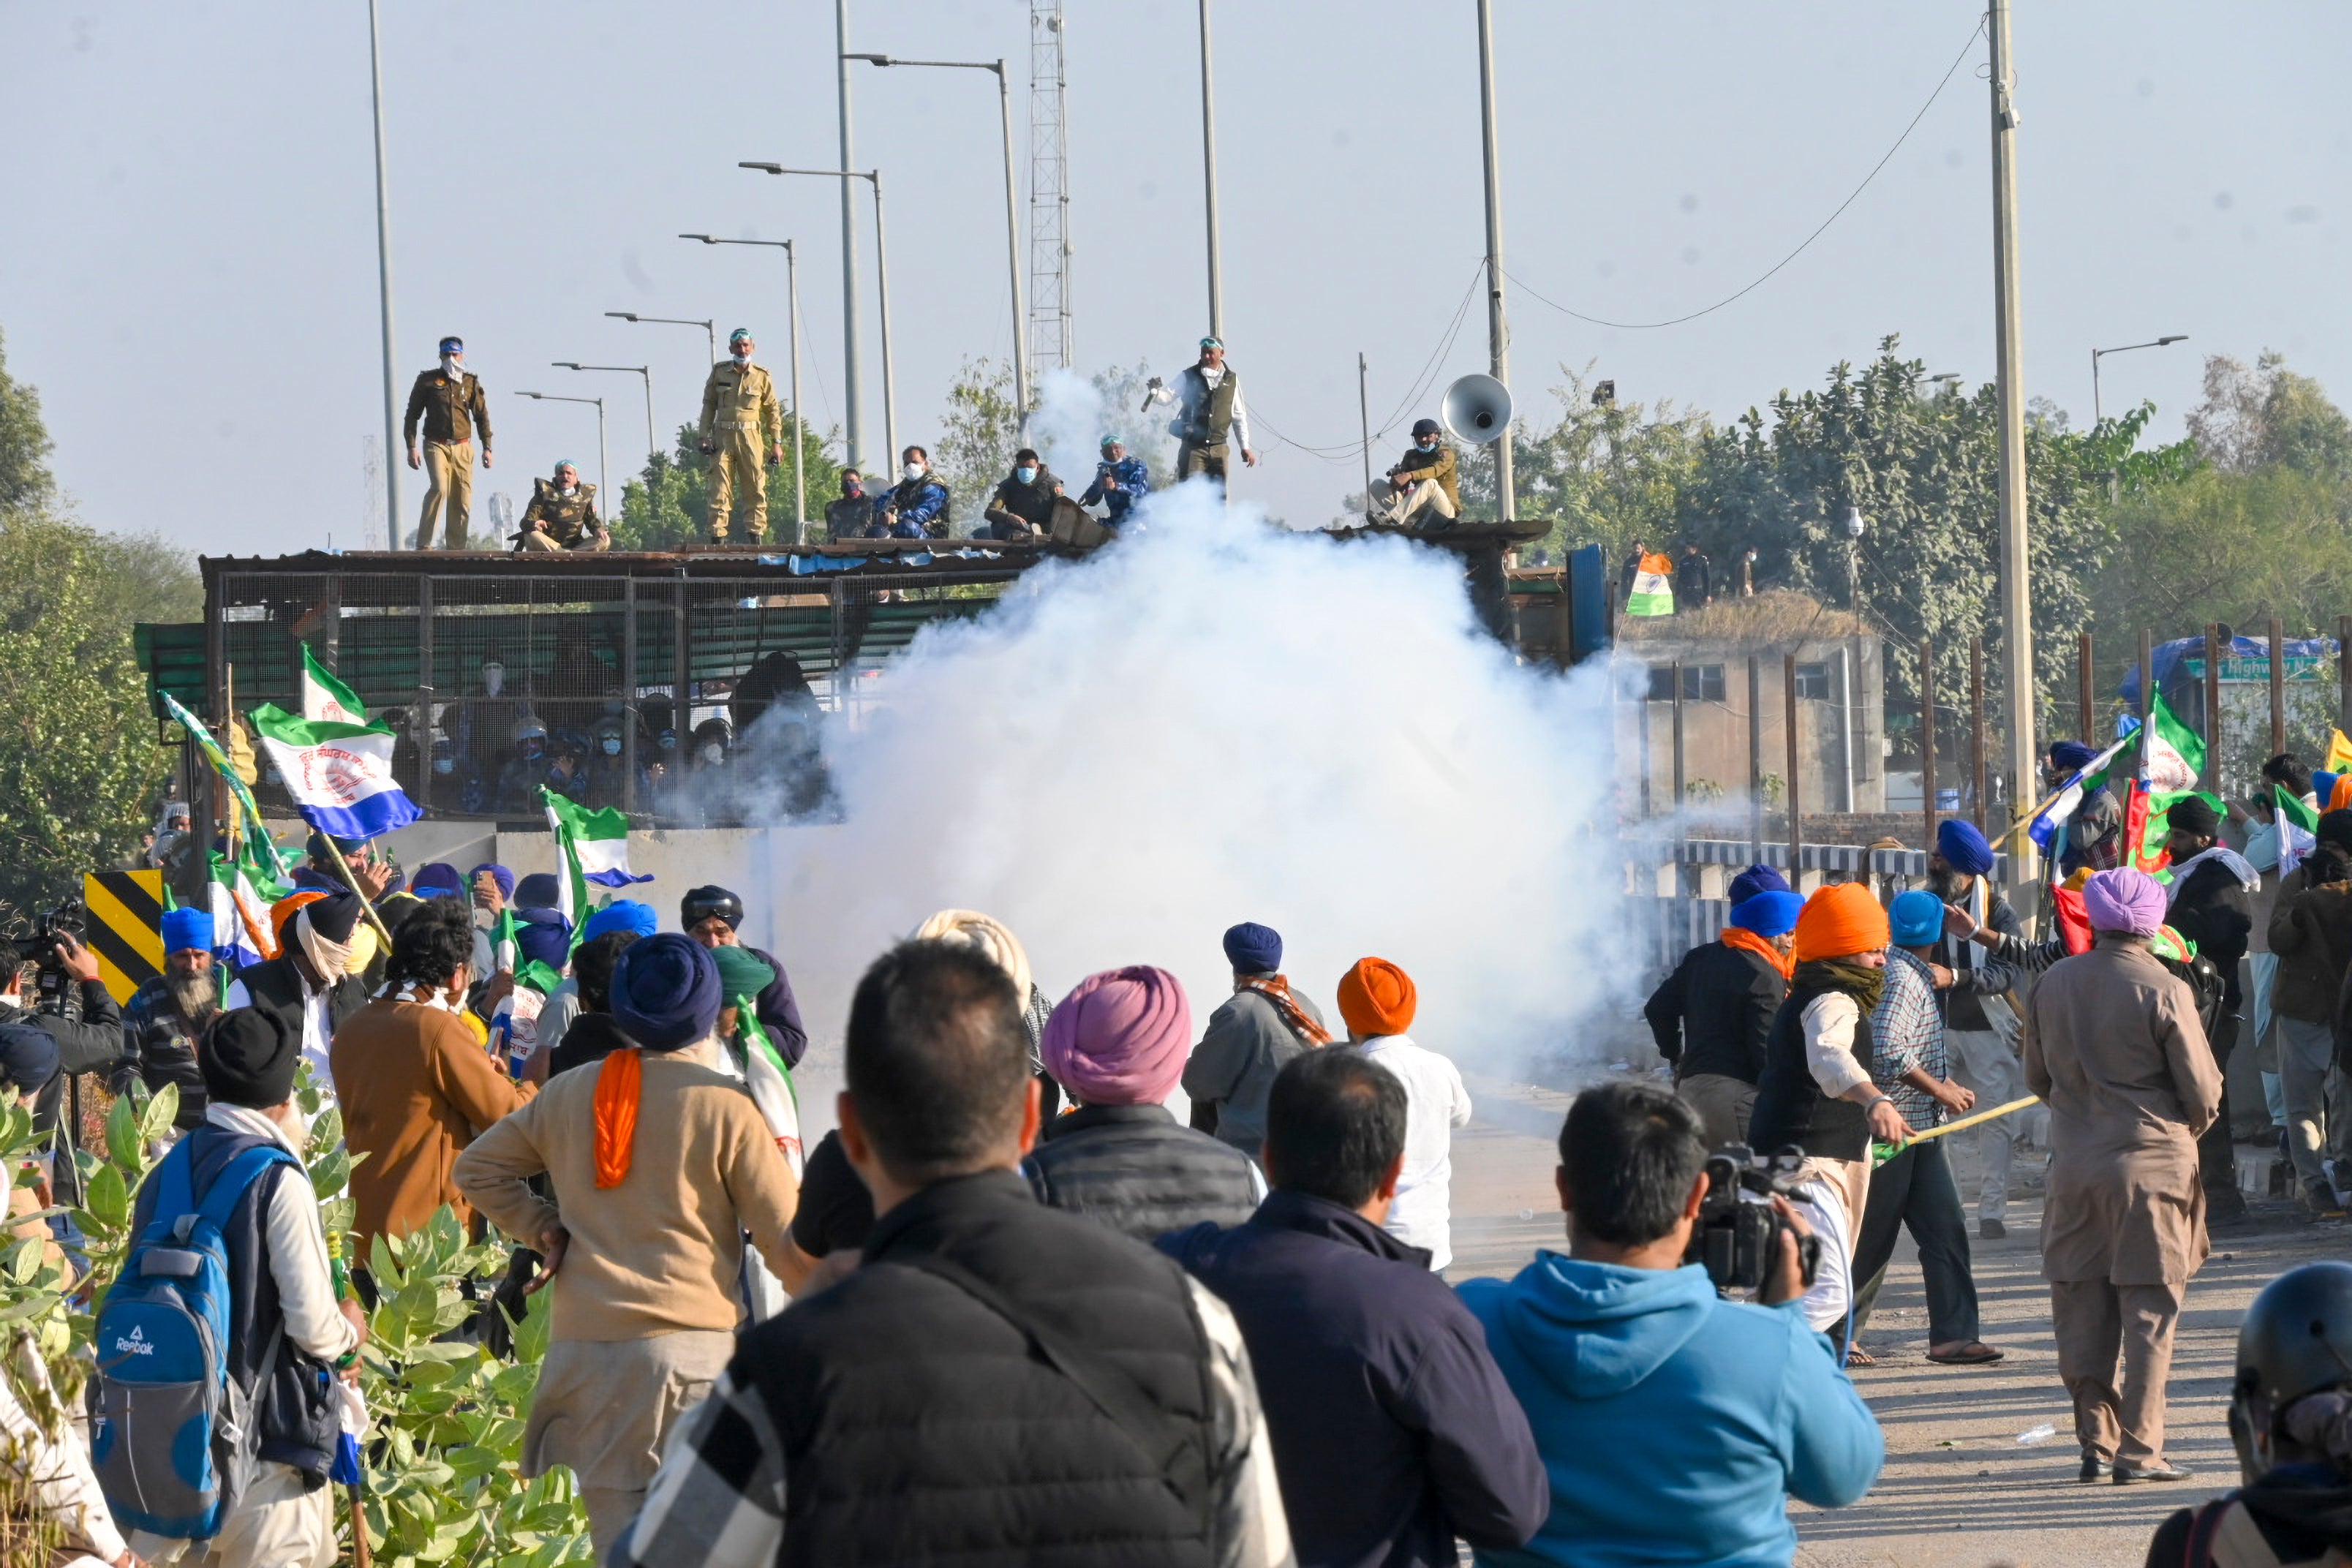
pixel 2113 1044
pixel 1118 1045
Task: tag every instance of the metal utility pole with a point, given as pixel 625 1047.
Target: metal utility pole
pixel 793 336
pixel 2016 601
pixel 853 426
pixel 1050 340
pixel 882 280
pixel 1209 178
pixel 392 448
pixel 604 459
pixel 1364 417
pixel 1498 336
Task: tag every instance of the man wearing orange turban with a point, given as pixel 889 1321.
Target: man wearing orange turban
pixel 1377 1001
pixel 1817 1094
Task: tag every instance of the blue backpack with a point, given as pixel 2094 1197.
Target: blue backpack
pixel 174 1443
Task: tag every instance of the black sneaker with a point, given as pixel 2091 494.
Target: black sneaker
pixel 1991 1230
pixel 2153 1470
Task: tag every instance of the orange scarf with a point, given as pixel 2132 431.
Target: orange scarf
pixel 1277 990
pixel 619 1082
pixel 1746 940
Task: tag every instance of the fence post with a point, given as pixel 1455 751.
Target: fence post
pixel 1796 766
pixel 2210 775
pixel 1754 757
pixel 1927 739
pixel 2147 696
pixel 1976 769
pixel 2087 709
pixel 2278 687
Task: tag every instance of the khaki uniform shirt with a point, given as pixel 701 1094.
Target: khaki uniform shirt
pixel 742 399
pixel 570 521
pixel 451 410
pixel 2114 1048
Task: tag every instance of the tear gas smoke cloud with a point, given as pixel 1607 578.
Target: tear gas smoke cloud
pixel 1068 425
pixel 1216 721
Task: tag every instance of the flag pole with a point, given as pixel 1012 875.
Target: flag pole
pixel 366 908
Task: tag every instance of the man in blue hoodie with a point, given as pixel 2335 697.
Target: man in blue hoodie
pixel 1674 1425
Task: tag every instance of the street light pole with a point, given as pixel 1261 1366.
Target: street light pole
pixel 392 450
pixel 882 284
pixel 604 456
pixel 652 449
pixel 2098 414
pixel 1209 176
pixel 1498 337
pixel 710 328
pixel 792 335
pixel 849 319
pixel 2016 604
pixel 1021 389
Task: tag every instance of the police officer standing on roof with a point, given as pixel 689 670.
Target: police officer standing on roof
pixel 1209 414
pixel 448 402
pixel 740 405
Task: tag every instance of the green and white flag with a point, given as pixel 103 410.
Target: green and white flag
pixel 324 696
pixel 594 848
pixel 771 1083
pixel 506 945
pixel 2298 829
pixel 269 858
pixel 2174 754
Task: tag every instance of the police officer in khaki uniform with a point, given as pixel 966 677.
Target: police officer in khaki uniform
pixel 450 404
pixel 738 406
pixel 563 514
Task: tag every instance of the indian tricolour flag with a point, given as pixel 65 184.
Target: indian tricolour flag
pixel 2298 829
pixel 338 775
pixel 326 698
pixel 1653 587
pixel 594 848
pixel 242 891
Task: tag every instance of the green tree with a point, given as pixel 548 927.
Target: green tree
pixel 25 483
pixel 2270 417
pixel 1607 473
pixel 977 439
pixel 667 505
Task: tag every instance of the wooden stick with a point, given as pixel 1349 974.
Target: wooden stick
pixel 1981 1116
pixel 353 882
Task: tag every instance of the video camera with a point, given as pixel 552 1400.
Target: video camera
pixel 55 990
pixel 1737 1237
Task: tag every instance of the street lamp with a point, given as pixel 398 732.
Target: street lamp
pixel 1854 557
pixel 710 329
pixel 652 450
pixel 882 285
pixel 604 464
pixel 1011 207
pixel 792 333
pixel 2097 412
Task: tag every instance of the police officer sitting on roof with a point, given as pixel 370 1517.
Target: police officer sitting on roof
pixel 2290 1419
pixel 1422 481
pixel 563 514
pixel 916 506
pixel 1120 481
pixel 1023 506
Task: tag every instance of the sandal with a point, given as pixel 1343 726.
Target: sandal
pixel 1858 1356
pixel 1975 1353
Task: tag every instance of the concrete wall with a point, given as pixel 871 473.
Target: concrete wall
pixel 1715 732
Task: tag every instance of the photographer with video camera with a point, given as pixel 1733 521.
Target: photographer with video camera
pixel 48 972
pixel 1675 1425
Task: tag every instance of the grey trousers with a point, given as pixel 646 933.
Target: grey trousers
pixel 2097 1324
pixel 1982 1062
pixel 2316 1115
pixel 1723 1103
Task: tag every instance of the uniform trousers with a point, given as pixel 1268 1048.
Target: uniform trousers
pixel 739 468
pixel 449 477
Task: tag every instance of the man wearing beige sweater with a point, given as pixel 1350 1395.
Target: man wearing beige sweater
pixel 659 1165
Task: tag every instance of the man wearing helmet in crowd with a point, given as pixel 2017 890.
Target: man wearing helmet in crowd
pixel 2290 1419
pixel 526 770
pixel 713 916
pixel 608 769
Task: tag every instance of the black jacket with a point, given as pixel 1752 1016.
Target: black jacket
pixel 1394 1430
pixel 1790 1108
pixel 2211 910
pixel 1713 1013
pixel 277 984
pixel 918 1424
pixel 92 1044
pixel 1134 1169
pixel 1976 973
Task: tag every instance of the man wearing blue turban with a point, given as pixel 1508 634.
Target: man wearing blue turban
pixel 1981 1029
pixel 1712 1015
pixel 2091 836
pixel 168 1013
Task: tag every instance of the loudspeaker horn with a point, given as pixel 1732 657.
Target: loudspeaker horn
pixel 1477 410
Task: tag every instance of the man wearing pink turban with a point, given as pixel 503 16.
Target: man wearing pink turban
pixel 1118 1044
pixel 2113 1044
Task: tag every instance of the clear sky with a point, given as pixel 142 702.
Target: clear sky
pixel 187 236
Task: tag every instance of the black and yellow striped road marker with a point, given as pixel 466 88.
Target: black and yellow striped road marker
pixel 126 928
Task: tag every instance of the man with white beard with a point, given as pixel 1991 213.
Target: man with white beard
pixel 167 1015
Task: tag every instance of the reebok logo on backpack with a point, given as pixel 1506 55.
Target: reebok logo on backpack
pixel 173 1441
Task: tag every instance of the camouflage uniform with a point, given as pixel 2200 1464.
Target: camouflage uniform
pixel 554 521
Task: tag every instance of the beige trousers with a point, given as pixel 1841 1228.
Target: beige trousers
pixel 2096 1324
pixel 1393 503
pixel 449 473
pixel 275 1524
pixel 738 468
pixel 1723 1103
pixel 606 1408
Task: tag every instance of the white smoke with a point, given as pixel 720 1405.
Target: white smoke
pixel 1215 721
pixel 1067 426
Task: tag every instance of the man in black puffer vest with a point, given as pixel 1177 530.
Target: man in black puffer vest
pixel 284 1319
pixel 1817 1095
pixel 996 1381
pixel 1118 1044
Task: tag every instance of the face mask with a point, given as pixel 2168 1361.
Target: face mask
pixel 1026 475
pixel 444 764
pixel 916 470
pixel 533 751
pixel 451 366
pixel 851 490
pixel 571 486
pixel 494 679
pixel 742 357
pixel 714 752
pixel 612 745
pixel 668 742
pixel 1424 446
